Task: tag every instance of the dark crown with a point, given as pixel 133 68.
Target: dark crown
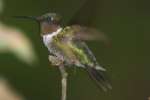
pixel 51 18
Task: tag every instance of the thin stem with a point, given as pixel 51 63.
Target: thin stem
pixel 64 75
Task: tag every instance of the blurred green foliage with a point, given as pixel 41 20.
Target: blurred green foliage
pixel 126 22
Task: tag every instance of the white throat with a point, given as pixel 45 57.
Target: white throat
pixel 47 38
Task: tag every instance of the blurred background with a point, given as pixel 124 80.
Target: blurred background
pixel 125 22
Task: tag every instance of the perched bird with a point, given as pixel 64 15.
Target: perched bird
pixel 66 46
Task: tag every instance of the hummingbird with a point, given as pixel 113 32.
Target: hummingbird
pixel 66 45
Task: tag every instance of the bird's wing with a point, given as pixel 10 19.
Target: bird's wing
pixel 70 40
pixel 89 33
pixel 78 32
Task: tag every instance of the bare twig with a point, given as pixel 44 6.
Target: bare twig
pixel 64 75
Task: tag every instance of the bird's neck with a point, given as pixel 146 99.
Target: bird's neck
pixel 49 29
pixel 50 35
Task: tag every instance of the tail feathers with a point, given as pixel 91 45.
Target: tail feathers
pixel 100 68
pixel 99 77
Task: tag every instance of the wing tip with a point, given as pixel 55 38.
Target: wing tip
pixel 100 78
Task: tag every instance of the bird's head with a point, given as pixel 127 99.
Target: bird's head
pixel 49 22
pixel 49 18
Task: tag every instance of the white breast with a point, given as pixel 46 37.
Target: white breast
pixel 47 39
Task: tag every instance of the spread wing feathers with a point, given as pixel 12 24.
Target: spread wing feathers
pixel 86 33
pixel 77 32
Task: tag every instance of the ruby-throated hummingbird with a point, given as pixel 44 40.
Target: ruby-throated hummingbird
pixel 66 45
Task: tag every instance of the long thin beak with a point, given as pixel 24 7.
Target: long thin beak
pixel 27 17
pixel 34 18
